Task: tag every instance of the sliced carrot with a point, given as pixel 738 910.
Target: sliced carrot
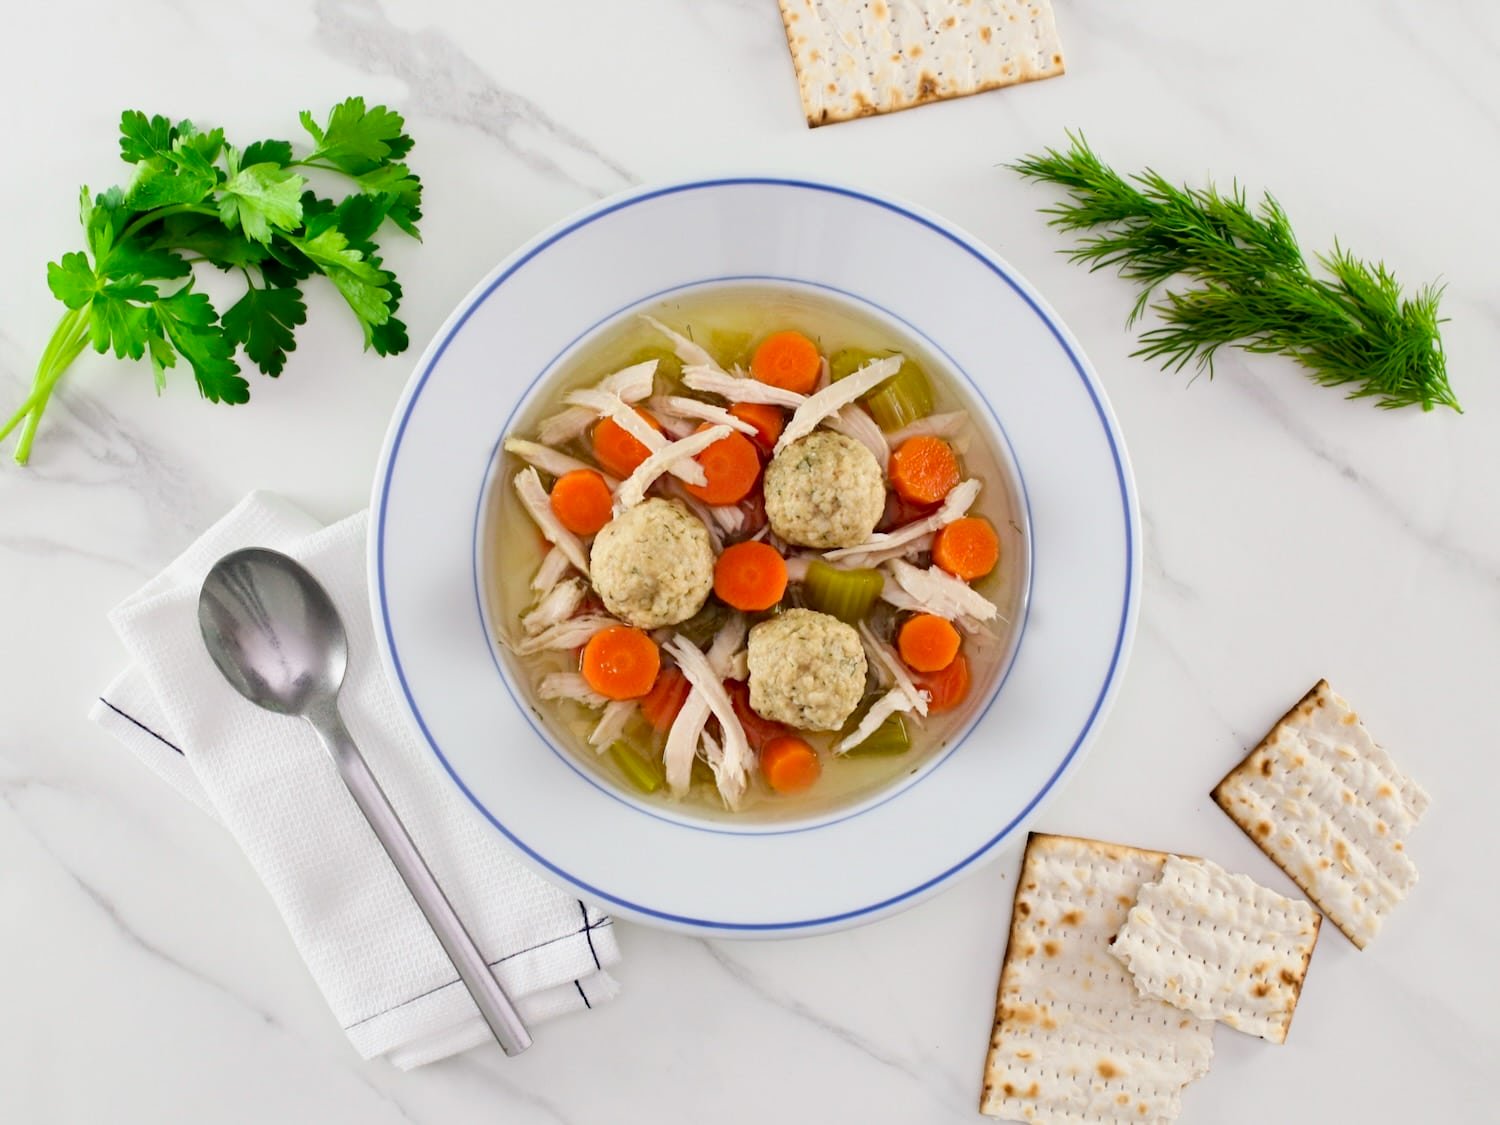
pixel 967 548
pixel 948 687
pixel 617 451
pixel 666 697
pixel 750 576
pixel 789 360
pixel 621 662
pixel 928 643
pixel 768 421
pixel 924 469
pixel 732 467
pixel 758 731
pixel 581 501
pixel 789 764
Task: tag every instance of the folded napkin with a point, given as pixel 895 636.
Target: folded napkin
pixel 266 778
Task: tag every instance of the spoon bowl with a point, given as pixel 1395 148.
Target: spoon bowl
pixel 273 631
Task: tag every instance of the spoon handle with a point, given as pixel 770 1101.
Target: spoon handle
pixel 494 1005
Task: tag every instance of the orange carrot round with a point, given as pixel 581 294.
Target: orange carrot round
pixel 617 451
pixel 967 548
pixel 732 467
pixel 750 576
pixel 924 470
pixel 581 501
pixel 789 764
pixel 666 697
pixel 948 687
pixel 928 643
pixel 768 421
pixel 621 662
pixel 789 360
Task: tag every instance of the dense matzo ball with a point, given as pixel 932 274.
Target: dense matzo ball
pixel 824 490
pixel 807 670
pixel 653 564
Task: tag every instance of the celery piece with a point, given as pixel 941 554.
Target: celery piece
pixel 668 367
pixel 846 361
pixel 901 399
pixel 890 737
pixel 644 775
pixel 704 625
pixel 845 594
pixel 729 347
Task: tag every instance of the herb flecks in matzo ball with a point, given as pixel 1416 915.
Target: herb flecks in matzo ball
pixel 807 670
pixel 653 565
pixel 824 490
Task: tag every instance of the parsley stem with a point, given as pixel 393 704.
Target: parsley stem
pixel 68 340
pixel 162 213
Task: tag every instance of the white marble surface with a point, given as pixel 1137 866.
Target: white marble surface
pixel 144 976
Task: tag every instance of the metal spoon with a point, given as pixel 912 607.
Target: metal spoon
pixel 276 636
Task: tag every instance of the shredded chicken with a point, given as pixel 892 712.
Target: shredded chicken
pixel 796 567
pixel 940 593
pixel 855 422
pixel 672 453
pixel 712 381
pixel 682 742
pixel 611 724
pixel 959 501
pixel 825 374
pixel 908 551
pixel 556 605
pixel 727 644
pixel 882 709
pixel 704 513
pixel 835 397
pixel 685 349
pixel 738 667
pixel 674 425
pixel 733 771
pixel 569 685
pixel 892 593
pixel 684 407
pixel 624 415
pixel 726 658
pixel 572 633
pixel 884 659
pixel 552 462
pixel 631 383
pixel 553 566
pixel 729 518
pixel 534 499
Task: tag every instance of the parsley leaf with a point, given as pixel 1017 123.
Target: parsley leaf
pixel 259 197
pixel 262 320
pixel 357 140
pixel 189 323
pixel 193 198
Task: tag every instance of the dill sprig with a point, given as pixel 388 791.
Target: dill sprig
pixel 1239 278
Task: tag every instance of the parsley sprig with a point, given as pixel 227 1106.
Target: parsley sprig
pixel 1230 274
pixel 195 199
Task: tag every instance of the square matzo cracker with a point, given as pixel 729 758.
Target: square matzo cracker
pixel 1219 946
pixel 859 57
pixel 1074 1039
pixel 1331 809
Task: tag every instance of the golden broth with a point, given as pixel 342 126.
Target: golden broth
pixel 729 320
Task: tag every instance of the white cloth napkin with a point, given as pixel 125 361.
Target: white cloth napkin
pixel 268 780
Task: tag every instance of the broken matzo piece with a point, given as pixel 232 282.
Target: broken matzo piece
pixel 1074 1039
pixel 1220 946
pixel 1331 809
pixel 859 57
